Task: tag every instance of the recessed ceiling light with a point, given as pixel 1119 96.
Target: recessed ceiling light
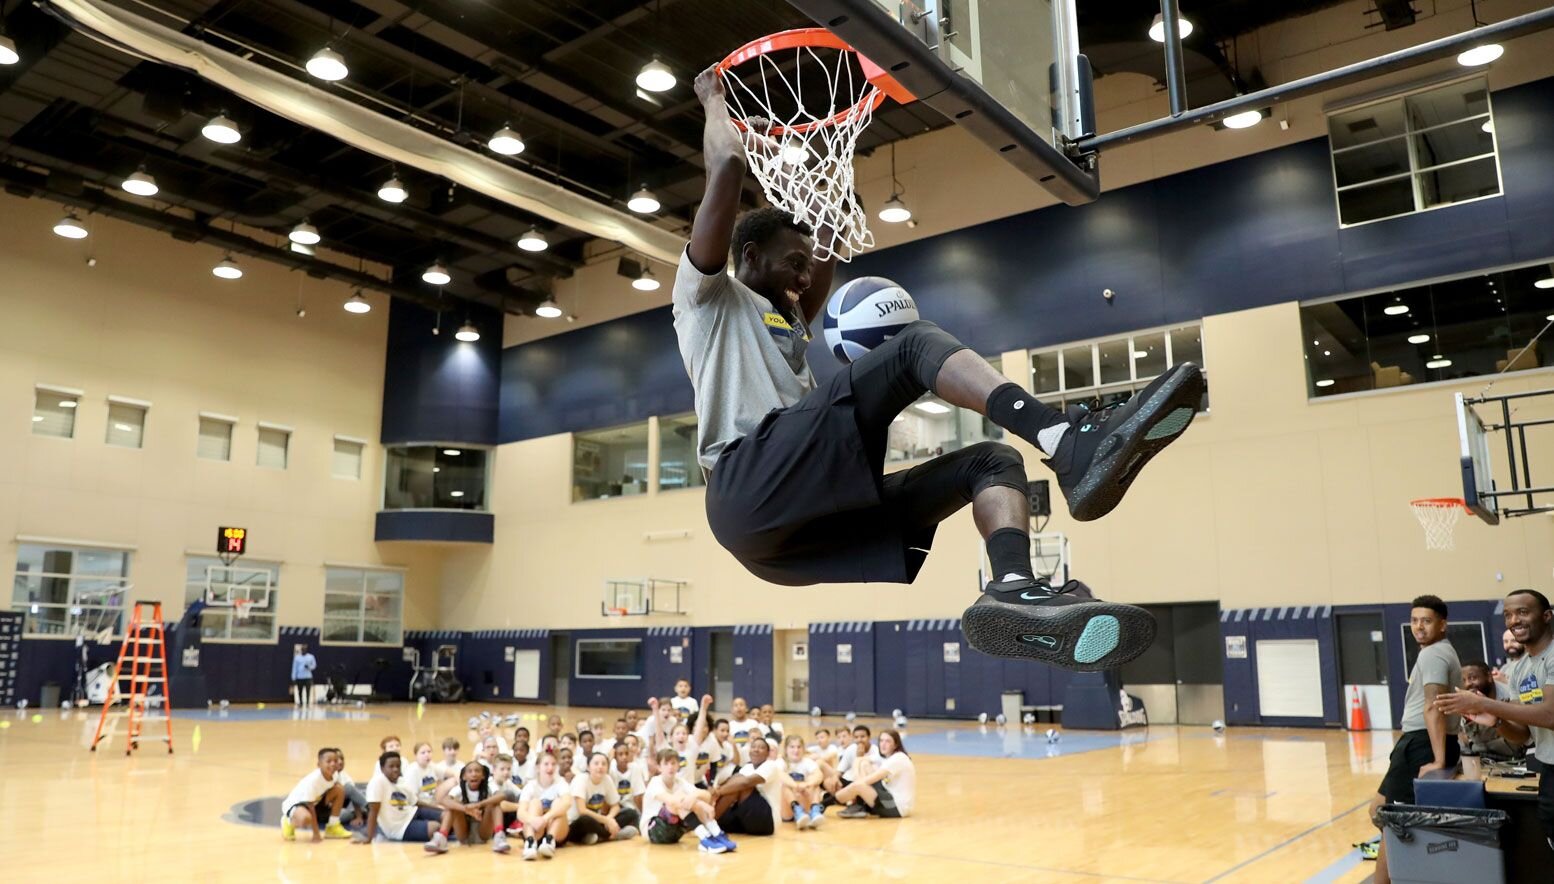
pixel 548 310
pixel 1418 339
pixel 455 494
pixel 1544 283
pixel 894 211
pixel 1438 363
pixel 357 304
pixel 1157 28
pixel 656 76
pixel 8 54
pixel 1327 352
pixel 305 234
pixel 222 130
pixel 1488 128
pixel 436 275
pixel 643 202
pixel 467 333
pixel 506 142
pixel 1243 120
pixel 1326 382
pixel 533 241
pixel 452 452
pixel 1480 55
pixel 932 407
pixel 393 191
pixel 140 183
pixel 1395 309
pixel 328 64
pixel 227 269
pixel 70 227
pixel 647 282
pixel 1140 354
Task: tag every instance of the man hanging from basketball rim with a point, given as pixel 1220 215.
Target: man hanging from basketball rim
pixel 796 489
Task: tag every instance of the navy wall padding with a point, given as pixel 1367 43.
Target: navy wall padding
pixel 848 687
pixel 44 660
pixel 1249 232
pixel 1289 622
pixel 435 387
pixel 444 526
pixel 753 663
pixel 701 667
pixel 912 675
pixel 661 671
pixel 488 674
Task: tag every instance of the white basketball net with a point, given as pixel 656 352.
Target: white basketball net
pixel 1438 518
pixel 805 165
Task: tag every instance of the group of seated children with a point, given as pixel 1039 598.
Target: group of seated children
pixel 677 768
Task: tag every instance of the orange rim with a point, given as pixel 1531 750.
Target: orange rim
pixel 1439 502
pixel 820 38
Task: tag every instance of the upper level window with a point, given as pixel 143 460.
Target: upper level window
pixel 363 605
pixel 347 461
pixel 930 427
pixel 1102 372
pixel 215 441
pixel 677 464
pixel 1414 152
pixel 54 411
pixel 450 477
pixel 126 422
pixel 274 445
pixel 610 463
pixel 70 590
pixel 1460 328
pixel 247 579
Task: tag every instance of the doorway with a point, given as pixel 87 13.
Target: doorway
pixel 790 669
pixel 1181 677
pixel 1362 666
pixel 561 667
pixel 722 669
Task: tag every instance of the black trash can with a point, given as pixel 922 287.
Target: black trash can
pixel 1443 845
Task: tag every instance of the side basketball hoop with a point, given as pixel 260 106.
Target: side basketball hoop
pixel 818 94
pixel 1438 517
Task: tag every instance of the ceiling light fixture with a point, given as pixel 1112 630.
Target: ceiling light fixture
pixel 1438 362
pixel 548 309
pixel 1488 128
pixel 393 191
pixel 1243 120
pixel 8 54
pixel 222 130
pixel 1140 354
pixel 1544 283
pixel 1325 382
pixel 647 282
pixel 506 142
pixel 533 241
pixel 140 183
pixel 1157 28
pixel 1419 339
pixel 455 494
pixel 1480 55
pixel 70 227
pixel 327 64
pixel 894 211
pixel 452 452
pixel 467 333
pixel 1395 309
pixel 305 234
pixel 643 202
pixel 656 76
pixel 436 275
pixel 227 269
pixel 357 304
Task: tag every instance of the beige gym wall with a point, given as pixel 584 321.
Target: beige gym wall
pixel 1270 499
pixel 150 322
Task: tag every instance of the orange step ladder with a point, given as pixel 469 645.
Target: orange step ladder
pixel 145 652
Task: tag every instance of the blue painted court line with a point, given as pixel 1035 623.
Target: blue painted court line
pixel 285 713
pixel 1286 843
pixel 1015 742
pixel 1338 869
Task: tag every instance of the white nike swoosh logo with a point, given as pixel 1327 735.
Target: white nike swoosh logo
pixel 1031 598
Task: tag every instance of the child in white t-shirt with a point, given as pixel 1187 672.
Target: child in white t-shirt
pixel 316 796
pixel 597 813
pixel 682 703
pixel 630 778
pixel 671 807
pixel 393 811
pixel 887 789
pixel 448 768
pixel 546 800
pixel 800 785
pixel 503 782
pixel 422 774
pixel 750 802
pixel 474 811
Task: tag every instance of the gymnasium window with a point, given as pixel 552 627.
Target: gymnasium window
pixel 347 462
pixel 434 476
pixel 215 441
pixel 1469 326
pixel 677 464
pixel 363 605
pixel 1100 373
pixel 610 463
pixel 608 658
pixel 930 427
pixel 126 422
pixel 70 590
pixel 54 411
pixel 274 445
pixel 243 579
pixel 1430 148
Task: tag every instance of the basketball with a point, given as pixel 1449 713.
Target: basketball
pixel 864 313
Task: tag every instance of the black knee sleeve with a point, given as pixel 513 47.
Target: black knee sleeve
pixel 994 463
pixel 924 347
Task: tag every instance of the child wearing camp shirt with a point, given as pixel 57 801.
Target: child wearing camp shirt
pixel 597 814
pixel 544 807
pixel 471 812
pixel 721 758
pixel 607 745
pixel 741 725
pixel 315 797
pixel 800 785
pixel 630 778
pixel 681 702
pixel 504 783
pixel 888 790
pixel 671 807
pixel 565 759
pixel 392 806
pixel 584 751
pixel 450 765
pixel 422 774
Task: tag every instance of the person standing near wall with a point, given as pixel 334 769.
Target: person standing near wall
pixel 302 666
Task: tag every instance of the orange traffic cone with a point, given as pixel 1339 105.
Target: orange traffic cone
pixel 1357 717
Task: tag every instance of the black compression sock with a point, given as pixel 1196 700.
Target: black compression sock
pixel 1009 552
pixel 1024 415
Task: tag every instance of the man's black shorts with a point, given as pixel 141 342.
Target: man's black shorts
pixel 1410 753
pixel 797 501
pixel 750 816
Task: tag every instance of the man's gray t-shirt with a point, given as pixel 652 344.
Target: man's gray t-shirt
pixel 1528 679
pixel 743 357
pixel 1437 664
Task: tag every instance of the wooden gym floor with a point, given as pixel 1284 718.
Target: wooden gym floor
pixel 1175 804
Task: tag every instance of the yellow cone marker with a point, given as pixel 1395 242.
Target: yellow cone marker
pixel 260 706
pixel 36 718
pixel 4 725
pixel 195 740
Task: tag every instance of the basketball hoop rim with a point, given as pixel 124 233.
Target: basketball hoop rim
pixel 819 38
pixel 1439 502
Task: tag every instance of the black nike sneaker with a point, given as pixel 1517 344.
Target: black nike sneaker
pixel 1103 450
pixel 1065 626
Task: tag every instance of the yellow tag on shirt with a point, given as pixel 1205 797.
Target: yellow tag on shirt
pixel 776 324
